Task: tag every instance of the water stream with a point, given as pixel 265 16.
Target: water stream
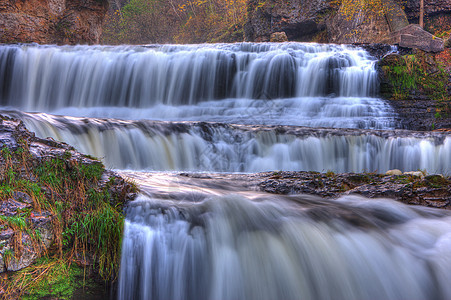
pixel 242 108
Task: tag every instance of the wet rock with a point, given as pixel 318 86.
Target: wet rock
pixel 431 191
pixel 420 114
pixel 377 50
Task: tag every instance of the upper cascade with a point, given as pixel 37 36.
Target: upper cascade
pixel 45 78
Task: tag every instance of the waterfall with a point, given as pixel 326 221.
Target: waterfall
pixel 242 108
pixel 43 78
pixel 199 146
pixel 228 247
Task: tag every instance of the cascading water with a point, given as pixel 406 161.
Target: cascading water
pixel 288 84
pixel 179 108
pixel 194 146
pixel 232 247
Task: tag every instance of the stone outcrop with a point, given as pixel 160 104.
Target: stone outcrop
pixel 431 191
pixel 26 229
pixel 421 114
pixel 299 19
pixel 52 21
pixel 428 190
pixel 357 29
pixel 321 21
pixel 365 27
pixel 422 102
pixel 413 36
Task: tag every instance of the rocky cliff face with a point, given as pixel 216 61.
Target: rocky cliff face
pixel 52 21
pixel 299 19
pixel 321 21
pixel 431 8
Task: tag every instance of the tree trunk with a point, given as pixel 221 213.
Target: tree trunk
pixel 422 13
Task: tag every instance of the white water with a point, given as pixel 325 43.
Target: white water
pixel 147 145
pixel 217 241
pixel 289 84
pixel 54 77
pixel 229 247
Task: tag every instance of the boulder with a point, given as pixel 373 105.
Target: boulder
pixel 413 36
pixel 414 173
pixel 278 37
pixel 393 172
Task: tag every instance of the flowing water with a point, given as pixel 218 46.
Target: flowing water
pixel 242 108
pixel 194 240
pixel 219 147
pixel 290 84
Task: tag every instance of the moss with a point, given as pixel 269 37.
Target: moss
pixel 330 174
pixel 360 178
pixel 51 278
pixel 87 219
pixel 437 181
pixel 416 73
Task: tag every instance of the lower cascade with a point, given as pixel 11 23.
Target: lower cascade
pixel 231 247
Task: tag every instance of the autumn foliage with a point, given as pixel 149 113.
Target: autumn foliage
pixel 180 21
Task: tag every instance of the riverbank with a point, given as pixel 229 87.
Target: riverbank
pixel 418 86
pixel 60 216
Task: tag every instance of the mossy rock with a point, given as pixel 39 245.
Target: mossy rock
pixel 392 60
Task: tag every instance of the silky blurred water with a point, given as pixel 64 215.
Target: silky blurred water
pixel 240 108
pixel 254 246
